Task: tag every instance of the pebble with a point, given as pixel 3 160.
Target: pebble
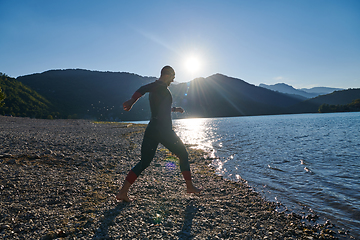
pixel 61 184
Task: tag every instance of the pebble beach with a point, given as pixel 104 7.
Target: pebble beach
pixel 58 179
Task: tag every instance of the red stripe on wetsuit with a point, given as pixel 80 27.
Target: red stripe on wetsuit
pixel 187 175
pixel 131 177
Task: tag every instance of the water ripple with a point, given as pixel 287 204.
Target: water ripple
pixel 300 160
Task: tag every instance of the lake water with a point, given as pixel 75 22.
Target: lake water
pixel 306 162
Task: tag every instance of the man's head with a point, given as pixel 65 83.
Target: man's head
pixel 167 75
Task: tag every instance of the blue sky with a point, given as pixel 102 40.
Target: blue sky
pixel 304 43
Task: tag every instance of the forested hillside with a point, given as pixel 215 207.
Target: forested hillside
pixel 336 98
pixel 90 94
pixel 20 100
pixel 354 106
pixel 2 97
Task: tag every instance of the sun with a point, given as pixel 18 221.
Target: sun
pixel 192 64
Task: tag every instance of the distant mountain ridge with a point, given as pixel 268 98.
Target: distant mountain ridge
pixel 78 93
pixel 304 92
pixel 321 90
pixel 220 96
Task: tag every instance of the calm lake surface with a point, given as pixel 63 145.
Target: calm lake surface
pixel 306 162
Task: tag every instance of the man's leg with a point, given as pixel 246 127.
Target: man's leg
pixel 148 149
pixel 172 142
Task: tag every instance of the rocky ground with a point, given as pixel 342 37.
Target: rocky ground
pixel 58 179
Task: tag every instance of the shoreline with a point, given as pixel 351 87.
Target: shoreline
pixel 58 179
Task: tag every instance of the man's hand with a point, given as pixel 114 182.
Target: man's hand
pixel 178 109
pixel 128 104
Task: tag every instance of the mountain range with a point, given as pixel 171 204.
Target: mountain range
pixel 78 93
pixel 302 93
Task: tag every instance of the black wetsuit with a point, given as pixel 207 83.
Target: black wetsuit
pixel 159 130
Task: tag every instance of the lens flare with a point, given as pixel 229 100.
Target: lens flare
pixel 170 166
pixel 193 64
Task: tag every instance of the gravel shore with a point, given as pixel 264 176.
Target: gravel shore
pixel 58 179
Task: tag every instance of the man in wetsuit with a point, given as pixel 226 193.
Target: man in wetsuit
pixel 159 130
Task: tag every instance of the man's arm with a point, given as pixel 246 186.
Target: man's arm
pixel 141 91
pixel 128 104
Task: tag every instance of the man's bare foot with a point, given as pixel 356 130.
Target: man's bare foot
pixel 193 189
pixel 123 197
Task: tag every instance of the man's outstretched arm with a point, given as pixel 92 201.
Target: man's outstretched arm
pixel 129 103
pixel 140 92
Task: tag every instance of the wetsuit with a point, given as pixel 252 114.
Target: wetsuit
pixel 159 130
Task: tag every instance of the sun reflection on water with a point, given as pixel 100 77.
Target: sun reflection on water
pixel 201 133
pixel 195 132
pixel 198 133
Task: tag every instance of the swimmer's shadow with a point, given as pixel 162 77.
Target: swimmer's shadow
pixel 108 220
pixel 190 213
